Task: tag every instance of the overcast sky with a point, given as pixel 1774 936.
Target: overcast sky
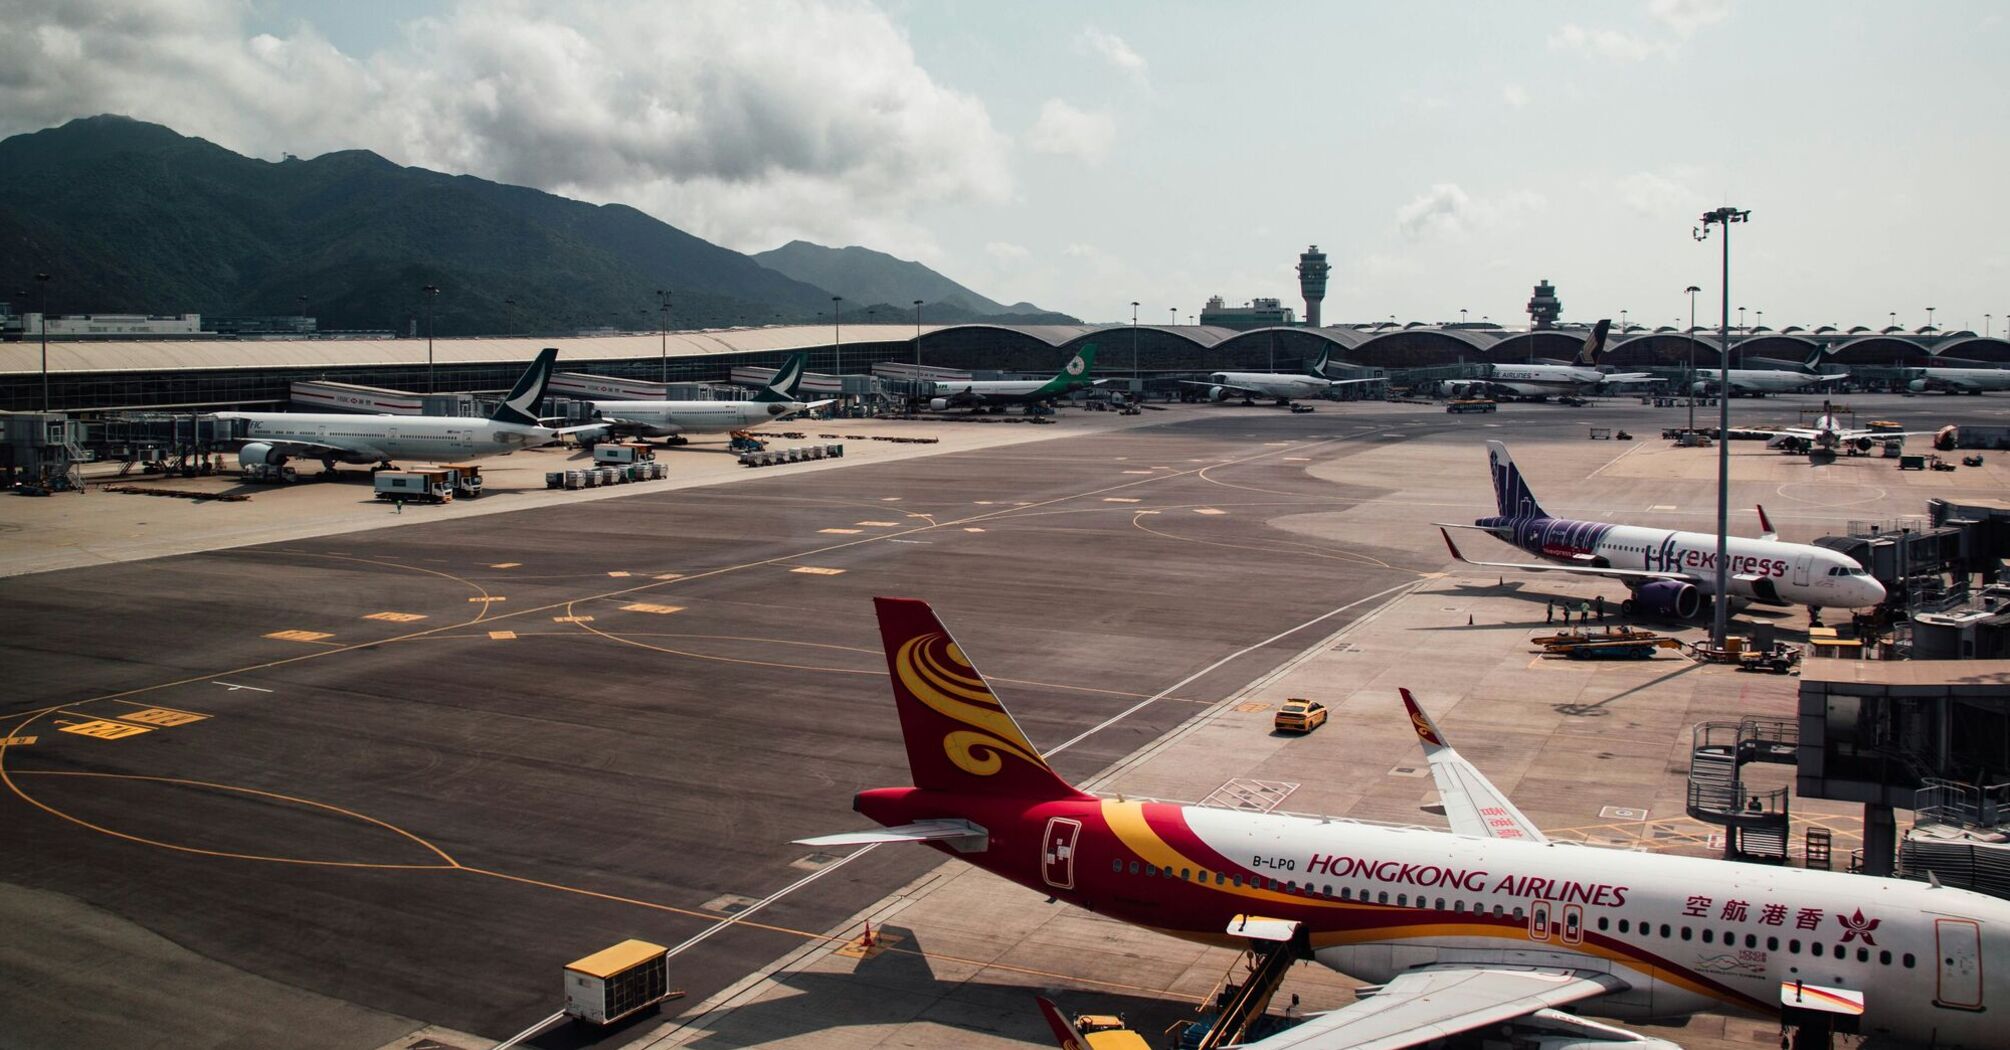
pixel 1084 155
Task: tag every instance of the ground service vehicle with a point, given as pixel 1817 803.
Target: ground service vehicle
pixel 614 982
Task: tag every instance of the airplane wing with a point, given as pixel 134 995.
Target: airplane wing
pixel 1629 377
pixel 1243 390
pixel 1584 570
pixel 1475 807
pixel 320 450
pixel 1426 1005
pixel 1351 382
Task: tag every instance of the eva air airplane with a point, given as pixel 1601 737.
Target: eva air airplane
pixel 995 394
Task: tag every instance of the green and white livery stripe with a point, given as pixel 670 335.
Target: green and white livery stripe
pixel 1075 373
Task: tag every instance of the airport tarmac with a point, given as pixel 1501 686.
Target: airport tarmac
pixel 410 772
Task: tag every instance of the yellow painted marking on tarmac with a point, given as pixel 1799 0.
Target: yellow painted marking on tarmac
pixel 879 524
pixel 162 716
pixel 299 636
pixel 1252 707
pixel 651 607
pixel 973 528
pixel 817 570
pixel 842 532
pixel 619 573
pixel 17 741
pixel 1298 459
pixel 396 617
pixel 506 565
pixel 1137 471
pixel 502 636
pixel 668 576
pixel 572 619
pixel 982 502
pixel 1120 499
pixel 1209 510
pixel 889 499
pixel 102 729
pixel 488 598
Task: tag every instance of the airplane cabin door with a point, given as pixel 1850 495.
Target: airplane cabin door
pixel 1057 852
pixel 1960 943
pixel 1801 570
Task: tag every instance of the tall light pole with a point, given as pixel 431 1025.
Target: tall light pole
pixel 663 330
pixel 1741 319
pixel 837 345
pixel 1622 320
pixel 1134 343
pixel 42 311
pixel 1986 318
pixel 914 390
pixel 1929 320
pixel 1691 292
pixel 1720 620
pixel 432 292
pixel 1462 317
pixel 1762 318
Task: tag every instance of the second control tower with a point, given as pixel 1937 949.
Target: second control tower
pixel 1312 270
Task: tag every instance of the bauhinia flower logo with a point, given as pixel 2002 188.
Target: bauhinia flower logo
pixel 1856 925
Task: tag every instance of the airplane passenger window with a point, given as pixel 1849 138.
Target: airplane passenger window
pixel 1382 897
pixel 1326 891
pixel 1794 947
pixel 1499 911
pixel 1117 865
pixel 1458 906
pixel 1441 904
pixel 1185 874
pixel 1884 958
pixel 1751 941
pixel 1709 935
pixel 1236 879
pixel 1772 944
pixel 1685 933
pixel 1402 900
pixel 1291 887
pixel 1863 955
pixel 1518 915
pixel 1907 960
pixel 1601 923
pixel 1152 870
pixel 1134 867
pixel 1623 925
pixel 1346 893
pixel 1665 931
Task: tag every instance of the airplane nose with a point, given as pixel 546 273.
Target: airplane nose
pixel 1870 593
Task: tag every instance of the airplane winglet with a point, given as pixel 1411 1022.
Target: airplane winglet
pixel 1064 1033
pixel 1427 730
pixel 1449 545
pixel 1766 530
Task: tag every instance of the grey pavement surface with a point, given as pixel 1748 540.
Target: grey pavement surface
pixel 417 769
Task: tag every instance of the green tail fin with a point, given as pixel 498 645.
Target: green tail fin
pixel 1075 373
pixel 788 379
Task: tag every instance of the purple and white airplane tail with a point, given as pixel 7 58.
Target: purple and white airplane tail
pixel 1511 492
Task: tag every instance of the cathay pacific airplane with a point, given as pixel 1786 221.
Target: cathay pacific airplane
pixel 1583 377
pixel 1279 386
pixel 1958 380
pixel 775 401
pixel 1490 924
pixel 995 394
pixel 272 438
pixel 1669 573
pixel 1761 381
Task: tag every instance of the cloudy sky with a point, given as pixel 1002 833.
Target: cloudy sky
pixel 1082 155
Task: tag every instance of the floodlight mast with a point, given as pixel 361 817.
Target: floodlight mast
pixel 1721 607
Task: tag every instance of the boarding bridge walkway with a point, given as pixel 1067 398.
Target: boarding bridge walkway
pixel 1756 822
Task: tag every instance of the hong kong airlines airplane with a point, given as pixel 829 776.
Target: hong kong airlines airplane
pixel 1668 572
pixel 1489 924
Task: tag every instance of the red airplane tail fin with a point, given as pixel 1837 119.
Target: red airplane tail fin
pixel 959 736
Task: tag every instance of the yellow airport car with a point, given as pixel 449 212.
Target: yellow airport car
pixel 1300 716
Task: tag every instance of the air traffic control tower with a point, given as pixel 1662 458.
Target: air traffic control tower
pixel 1312 282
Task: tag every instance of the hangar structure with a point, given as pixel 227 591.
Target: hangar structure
pixel 209 374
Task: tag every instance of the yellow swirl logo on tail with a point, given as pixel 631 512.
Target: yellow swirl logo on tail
pixel 934 670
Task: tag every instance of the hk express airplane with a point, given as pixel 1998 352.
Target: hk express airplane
pixel 1490 924
pixel 995 394
pixel 1546 380
pixel 1668 572
pixel 1280 386
pixel 272 438
pixel 775 401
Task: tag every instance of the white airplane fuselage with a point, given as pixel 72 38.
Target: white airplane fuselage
pixel 664 418
pixel 1966 380
pixel 1282 385
pixel 1764 380
pixel 1540 380
pixel 382 439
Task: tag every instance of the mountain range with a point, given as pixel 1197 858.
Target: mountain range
pixel 132 217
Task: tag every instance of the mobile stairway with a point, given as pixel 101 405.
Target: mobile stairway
pixel 1236 1012
pixel 1755 822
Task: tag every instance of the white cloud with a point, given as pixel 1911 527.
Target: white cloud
pixel 1687 16
pixel 1446 210
pixel 1514 95
pixel 1615 44
pixel 1006 252
pixel 749 127
pixel 1064 130
pixel 1660 195
pixel 1116 52
pixel 1079 250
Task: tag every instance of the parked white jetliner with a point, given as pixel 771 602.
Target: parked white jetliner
pixel 272 438
pixel 1547 380
pixel 1960 380
pixel 1829 435
pixel 1280 386
pixel 1491 924
pixel 1668 572
pixel 995 394
pixel 1769 380
pixel 775 401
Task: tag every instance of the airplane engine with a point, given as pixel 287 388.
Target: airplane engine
pixel 259 454
pixel 1573 1042
pixel 1864 444
pixel 777 409
pixel 938 404
pixel 1700 389
pixel 1216 393
pixel 1667 598
pixel 1917 386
